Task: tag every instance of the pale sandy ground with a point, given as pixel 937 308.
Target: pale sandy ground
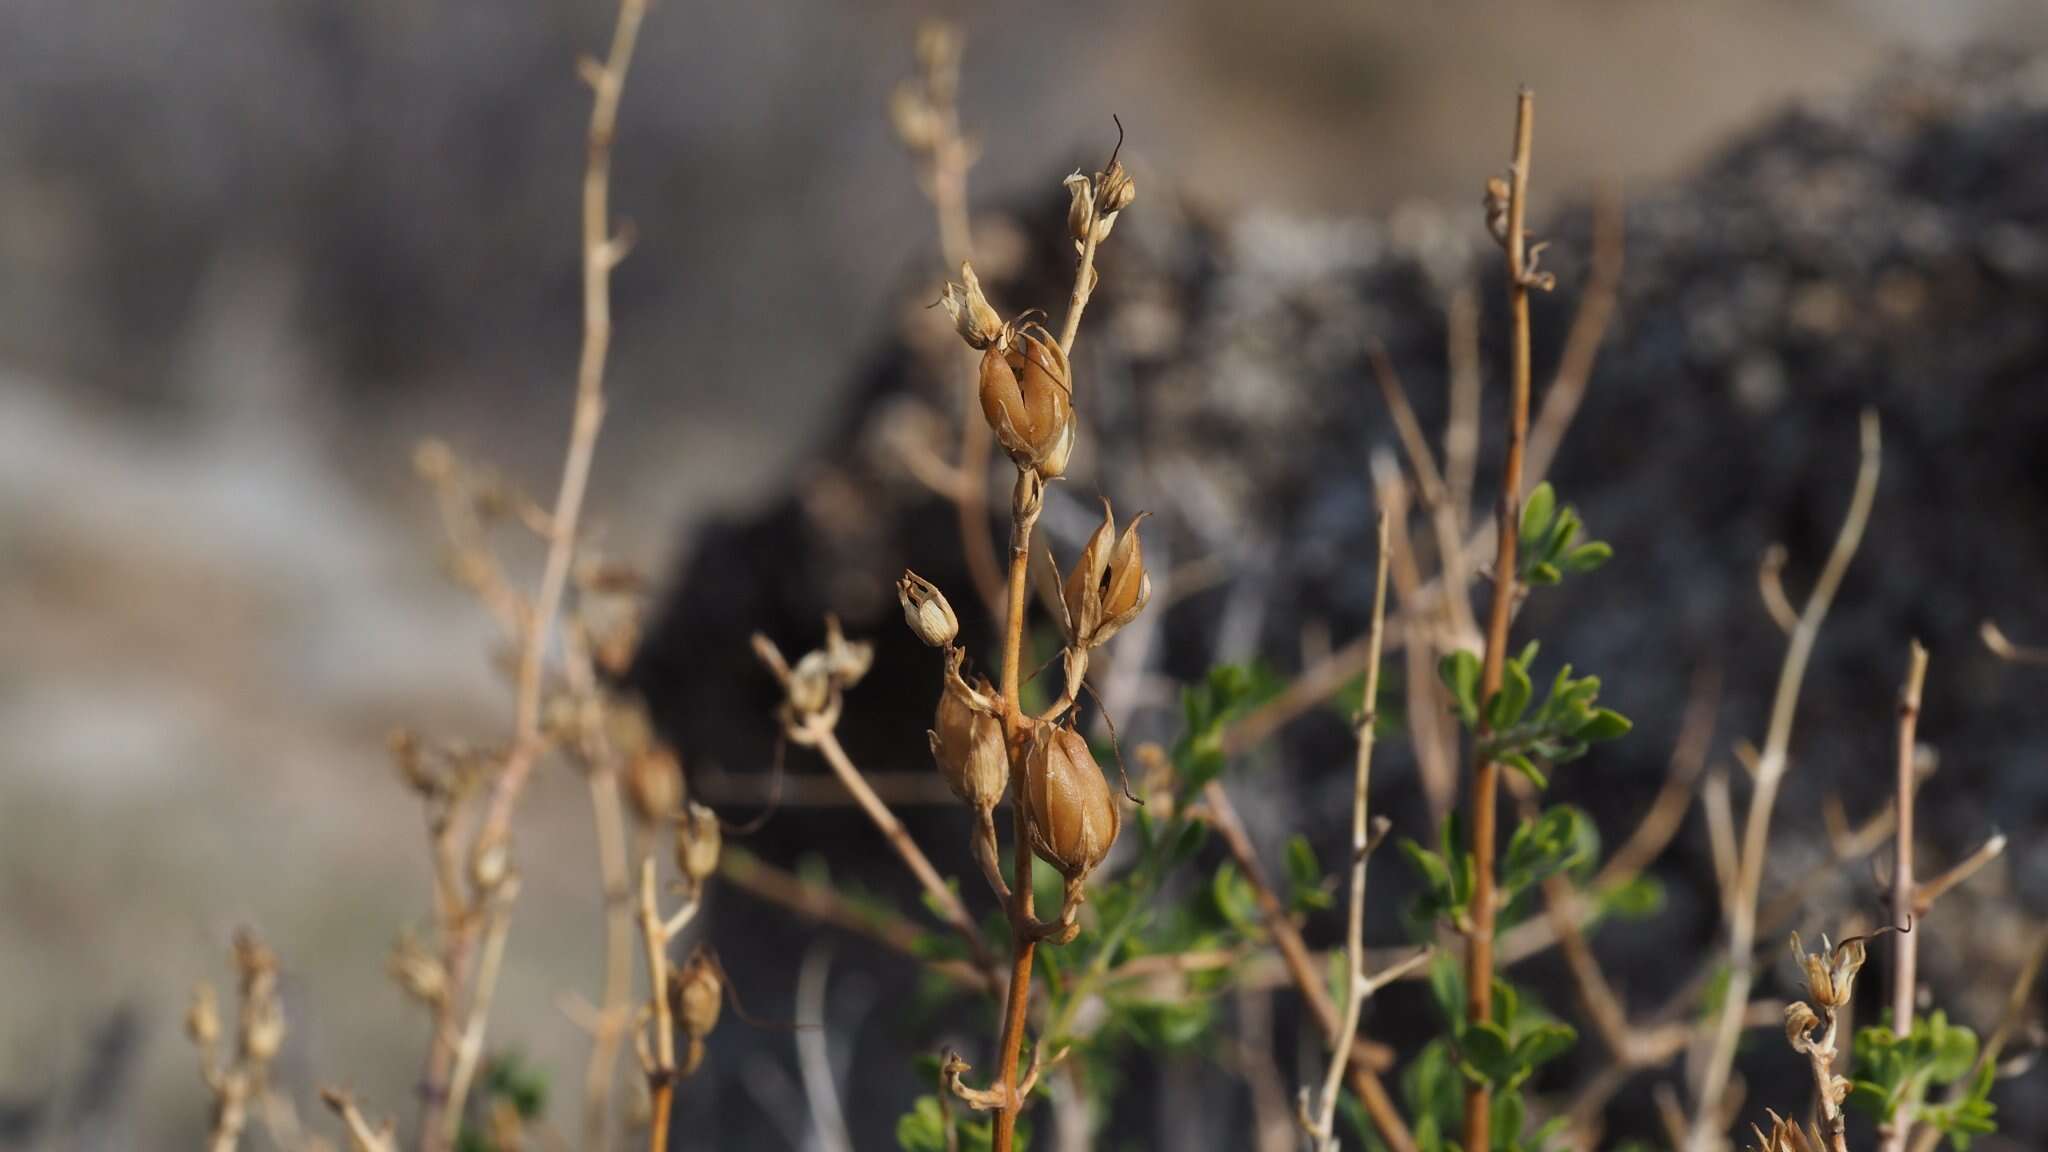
pixel 209 627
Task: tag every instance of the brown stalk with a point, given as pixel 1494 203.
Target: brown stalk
pixel 1026 502
pixel 1906 943
pixel 661 1075
pixel 1770 773
pixel 1486 773
pixel 825 904
pixel 601 252
pixel 1429 717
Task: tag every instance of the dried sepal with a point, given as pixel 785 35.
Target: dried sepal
pixel 418 971
pixel 925 610
pixel 1831 972
pixel 696 992
pixel 973 317
pixel 1108 585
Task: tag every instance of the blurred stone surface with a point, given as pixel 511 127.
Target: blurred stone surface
pixel 1888 251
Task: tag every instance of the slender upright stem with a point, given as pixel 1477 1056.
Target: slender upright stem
pixel 1486 773
pixel 600 254
pixel 1084 287
pixel 1905 943
pixel 1770 773
pixel 1355 988
pixel 609 824
pixel 662 1076
pixel 1026 502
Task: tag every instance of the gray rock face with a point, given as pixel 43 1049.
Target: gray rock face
pixel 1890 253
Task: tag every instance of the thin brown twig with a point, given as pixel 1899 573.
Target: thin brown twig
pixel 661 1077
pixel 1367 1058
pixel 827 905
pixel 1924 895
pixel 1770 772
pixel 1443 515
pixel 1323 1129
pixel 1461 423
pixel 1486 772
pixel 470 1048
pixel 1429 728
pixel 1905 944
pixel 1996 641
pixel 601 252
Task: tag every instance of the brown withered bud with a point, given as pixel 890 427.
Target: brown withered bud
pixel 846 660
pixel 1114 190
pixel 695 994
pixel 1800 1021
pixel 967 742
pixel 1027 396
pixel 810 684
pixel 418 971
pixel 1496 203
pixel 654 783
pixel 489 862
pixel 698 842
pixel 202 1016
pixel 973 317
pixel 1080 206
pixel 925 609
pixel 1830 973
pixel 915 120
pixel 1074 817
pixel 1108 586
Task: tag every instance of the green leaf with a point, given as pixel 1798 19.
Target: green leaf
pixel 1508 704
pixel 1543 1044
pixel 1460 673
pixel 1508 1115
pixel 1304 875
pixel 1543 574
pixel 1192 836
pixel 1641 897
pixel 1537 511
pixel 1527 768
pixel 1604 724
pixel 1588 556
pixel 1489 1056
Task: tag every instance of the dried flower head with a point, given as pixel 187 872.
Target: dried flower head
pixel 1831 972
pixel 973 317
pixel 1108 586
pixel 1785 1136
pixel 654 782
pixel 967 741
pixel 1074 817
pixel 699 840
pixel 1027 396
pixel 925 609
pixel 418 971
pixel 695 993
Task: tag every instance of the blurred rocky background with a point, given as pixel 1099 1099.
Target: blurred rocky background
pixel 250 252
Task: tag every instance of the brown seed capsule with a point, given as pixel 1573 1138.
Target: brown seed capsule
pixel 810 684
pixel 925 609
pixel 698 842
pixel 418 971
pixel 695 993
pixel 654 781
pixel 1081 206
pixel 1027 395
pixel 967 744
pixel 846 660
pixel 1074 818
pixel 1114 190
pixel 1830 973
pixel 1108 586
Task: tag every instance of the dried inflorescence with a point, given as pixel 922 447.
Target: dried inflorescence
pixel 696 992
pixel 238 1078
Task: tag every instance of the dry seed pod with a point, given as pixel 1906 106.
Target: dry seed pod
pixel 925 609
pixel 1830 973
pixel 967 744
pixel 695 994
pixel 973 317
pixel 1027 396
pixel 1081 206
pixel 418 971
pixel 810 684
pixel 1108 586
pixel 698 842
pixel 1074 818
pixel 654 782
pixel 1114 191
pixel 846 660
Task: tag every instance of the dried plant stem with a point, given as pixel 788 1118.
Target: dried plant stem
pixel 655 934
pixel 825 904
pixel 613 1006
pixel 1307 973
pixel 1770 773
pixel 1084 287
pixel 470 1049
pixel 362 1135
pixel 1026 501
pixel 826 740
pixel 1355 988
pixel 1486 773
pixel 601 252
pixel 1905 944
